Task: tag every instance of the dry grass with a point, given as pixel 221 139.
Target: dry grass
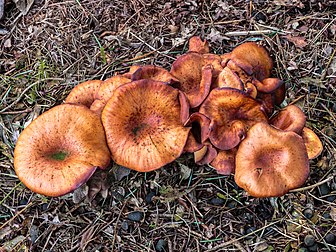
pixel 59 44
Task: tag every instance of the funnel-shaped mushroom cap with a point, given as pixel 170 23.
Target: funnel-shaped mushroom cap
pixel 313 143
pixel 84 93
pixel 106 90
pixel 225 162
pixel 232 113
pixel 143 125
pixel 60 150
pixel 195 80
pixel 270 162
pixel 254 58
pixel 154 73
pixel 196 44
pixel 291 118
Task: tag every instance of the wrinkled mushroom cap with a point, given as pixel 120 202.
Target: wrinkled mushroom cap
pixel 143 125
pixel 253 58
pixel 60 150
pixel 270 162
pixel 195 80
pixel 291 118
pixel 232 113
pixel 84 93
pixel 313 143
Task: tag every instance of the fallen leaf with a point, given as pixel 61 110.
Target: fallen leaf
pixel 298 41
pixel 215 36
pixel 185 171
pixel 120 172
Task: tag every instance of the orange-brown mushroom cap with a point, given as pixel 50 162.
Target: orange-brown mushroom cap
pixel 270 162
pixel 291 118
pixel 313 143
pixel 232 113
pixel 154 73
pixel 143 125
pixel 84 93
pixel 253 58
pixel 195 80
pixel 106 90
pixel 60 150
pixel 196 44
pixel 225 162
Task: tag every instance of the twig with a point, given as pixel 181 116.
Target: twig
pixel 19 98
pixel 16 112
pixel 16 215
pixel 251 33
pixel 225 244
pixel 312 186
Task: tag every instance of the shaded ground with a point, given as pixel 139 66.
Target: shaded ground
pixel 58 45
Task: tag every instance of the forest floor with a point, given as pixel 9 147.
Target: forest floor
pixel 48 48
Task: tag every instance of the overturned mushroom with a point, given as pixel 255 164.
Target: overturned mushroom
pixel 144 134
pixel 60 150
pixel 270 162
pixel 232 113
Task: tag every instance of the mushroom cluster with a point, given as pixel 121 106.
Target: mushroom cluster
pixel 221 108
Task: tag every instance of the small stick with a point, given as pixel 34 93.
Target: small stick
pixel 312 186
pixel 248 33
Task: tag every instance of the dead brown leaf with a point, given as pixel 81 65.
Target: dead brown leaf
pixel 298 41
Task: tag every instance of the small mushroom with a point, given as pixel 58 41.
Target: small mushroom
pixel 232 113
pixel 195 80
pixel 313 143
pixel 253 59
pixel 225 162
pixel 143 125
pixel 291 118
pixel 154 73
pixel 84 93
pixel 60 150
pixel 270 161
pixel 196 44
